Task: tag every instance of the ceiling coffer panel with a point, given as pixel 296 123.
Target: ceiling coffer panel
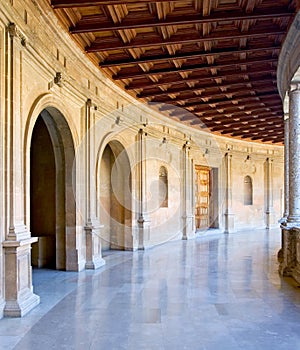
pixel 210 64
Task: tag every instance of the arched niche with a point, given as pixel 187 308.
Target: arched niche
pixel 248 190
pixel 115 197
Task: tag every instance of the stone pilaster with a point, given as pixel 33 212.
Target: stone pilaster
pixel 229 216
pixel 19 296
pixel 289 256
pixel 188 229
pixel 143 219
pixel 270 218
pixel 92 227
pixel 286 169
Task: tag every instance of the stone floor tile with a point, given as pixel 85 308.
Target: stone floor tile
pixel 216 292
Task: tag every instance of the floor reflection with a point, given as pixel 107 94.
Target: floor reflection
pixel 215 292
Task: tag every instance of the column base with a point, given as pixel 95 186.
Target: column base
pixel 95 263
pixel 19 298
pixel 94 258
pixel 270 220
pixel 283 220
pixel 188 227
pixel 229 223
pixel 143 233
pixel 20 307
pixel 2 305
pixel 289 254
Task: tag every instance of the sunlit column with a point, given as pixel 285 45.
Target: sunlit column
pixel 294 155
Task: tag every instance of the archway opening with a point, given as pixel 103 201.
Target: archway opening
pixel 52 202
pixel 115 198
pixel 42 196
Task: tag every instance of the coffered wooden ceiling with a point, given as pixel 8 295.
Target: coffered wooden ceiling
pixel 216 59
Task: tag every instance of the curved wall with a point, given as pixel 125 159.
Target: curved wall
pixel 289 59
pixel 50 71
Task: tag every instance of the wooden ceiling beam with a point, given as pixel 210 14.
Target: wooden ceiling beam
pixel 248 126
pixel 240 132
pixel 236 93
pixel 216 124
pixel 206 87
pixel 275 139
pixel 196 68
pixel 219 101
pixel 178 80
pixel 209 114
pixel 152 41
pixel 213 94
pixel 275 104
pixel 243 118
pixel 94 23
pixel 212 115
pixel 266 129
pixel 187 55
pixel 85 3
pixel 267 138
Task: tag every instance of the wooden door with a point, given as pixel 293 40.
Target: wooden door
pixel 202 194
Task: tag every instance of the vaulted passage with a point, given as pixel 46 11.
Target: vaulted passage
pixel 42 195
pixel 126 125
pixel 52 215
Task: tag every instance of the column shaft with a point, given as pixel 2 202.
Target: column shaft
pixel 143 220
pixel 188 230
pixel 286 168
pixel 229 217
pixel 294 156
pixel 269 193
pixel 92 227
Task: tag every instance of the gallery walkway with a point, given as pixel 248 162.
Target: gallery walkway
pixel 216 292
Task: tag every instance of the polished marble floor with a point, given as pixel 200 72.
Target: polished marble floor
pixel 215 292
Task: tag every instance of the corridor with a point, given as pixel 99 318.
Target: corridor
pixel 215 292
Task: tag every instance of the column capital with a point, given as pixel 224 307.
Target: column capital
pixel 89 102
pixel 14 32
pixel 295 86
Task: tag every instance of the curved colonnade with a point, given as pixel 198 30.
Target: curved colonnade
pixel 86 168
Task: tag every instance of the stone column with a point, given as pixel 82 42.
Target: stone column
pixel 188 230
pixel 143 220
pixel 290 252
pixel 294 157
pixel 19 296
pixel 92 226
pixel 283 220
pixel 286 167
pixel 229 216
pixel 269 193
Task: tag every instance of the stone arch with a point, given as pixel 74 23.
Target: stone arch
pixel 60 145
pixel 114 196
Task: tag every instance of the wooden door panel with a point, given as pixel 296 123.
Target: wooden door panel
pixel 202 194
